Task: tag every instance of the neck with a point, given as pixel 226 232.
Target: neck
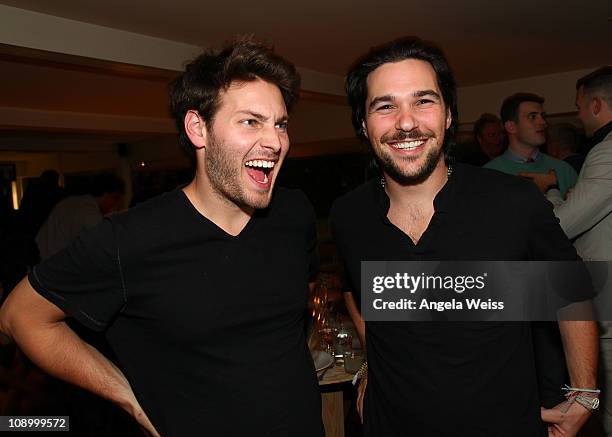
pixel 606 120
pixel 425 190
pixel 491 151
pixel 215 207
pixel 523 150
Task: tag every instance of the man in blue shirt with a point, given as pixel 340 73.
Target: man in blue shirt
pixel 523 117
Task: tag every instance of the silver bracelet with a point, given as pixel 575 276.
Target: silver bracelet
pixel 363 370
pixel 591 403
pixel 569 389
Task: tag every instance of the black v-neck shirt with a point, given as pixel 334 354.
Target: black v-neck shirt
pixel 451 379
pixel 207 327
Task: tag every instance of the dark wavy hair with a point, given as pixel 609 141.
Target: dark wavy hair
pixel 400 49
pixel 242 60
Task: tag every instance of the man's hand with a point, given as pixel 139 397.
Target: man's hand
pixel 360 394
pixel 567 423
pixel 144 422
pixel 543 180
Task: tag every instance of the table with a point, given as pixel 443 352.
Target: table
pixel 332 400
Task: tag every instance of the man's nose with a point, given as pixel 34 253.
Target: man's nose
pixel 272 139
pixel 406 121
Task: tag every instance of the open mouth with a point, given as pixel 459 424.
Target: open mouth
pixel 260 170
pixel 408 145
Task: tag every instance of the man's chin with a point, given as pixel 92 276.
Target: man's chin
pixel 259 201
pixel 406 176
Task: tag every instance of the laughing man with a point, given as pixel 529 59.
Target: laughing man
pixel 201 292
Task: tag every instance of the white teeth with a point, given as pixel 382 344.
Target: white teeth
pixel 409 145
pixel 260 163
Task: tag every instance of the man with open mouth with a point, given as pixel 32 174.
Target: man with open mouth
pixel 201 292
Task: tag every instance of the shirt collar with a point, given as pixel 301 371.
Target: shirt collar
pixel 442 201
pixel 601 133
pixel 509 154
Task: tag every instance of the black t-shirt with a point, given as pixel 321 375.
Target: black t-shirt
pixel 457 378
pixel 207 327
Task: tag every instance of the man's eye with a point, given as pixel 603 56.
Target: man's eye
pixel 424 101
pixel 282 125
pixel 250 122
pixel 384 108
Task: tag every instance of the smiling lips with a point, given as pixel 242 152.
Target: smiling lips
pixel 408 145
pixel 260 170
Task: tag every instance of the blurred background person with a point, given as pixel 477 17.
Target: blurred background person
pixel 76 213
pixel 563 141
pixel 489 135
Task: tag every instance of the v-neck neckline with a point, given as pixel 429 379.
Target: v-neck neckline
pixel 202 218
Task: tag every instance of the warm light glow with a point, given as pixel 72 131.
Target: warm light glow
pixel 142 163
pixel 15 197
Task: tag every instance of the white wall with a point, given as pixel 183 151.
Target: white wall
pixel 24 28
pixel 45 32
pixel 558 89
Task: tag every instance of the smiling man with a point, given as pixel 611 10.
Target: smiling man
pixel 437 378
pixel 201 292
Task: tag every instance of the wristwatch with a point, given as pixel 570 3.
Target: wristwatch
pixel 591 403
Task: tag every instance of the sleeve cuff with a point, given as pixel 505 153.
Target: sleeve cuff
pixel 554 196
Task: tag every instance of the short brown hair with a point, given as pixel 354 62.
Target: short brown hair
pixel 242 60
pixel 598 82
pixel 509 109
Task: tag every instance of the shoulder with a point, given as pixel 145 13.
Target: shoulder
pixel 496 163
pixel 290 205
pixel 77 202
pixel 158 211
pixel 511 199
pixel 601 151
pixel 75 211
pixel 558 165
pixel 483 180
pixel 507 196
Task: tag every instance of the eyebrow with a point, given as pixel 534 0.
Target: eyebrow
pixel 391 98
pixel 536 113
pixel 261 117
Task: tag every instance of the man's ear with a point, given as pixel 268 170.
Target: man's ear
pixel 364 130
pixel 595 106
pixel 510 127
pixel 195 128
pixel 449 118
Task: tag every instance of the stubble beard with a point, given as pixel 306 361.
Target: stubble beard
pixel 224 176
pixel 391 167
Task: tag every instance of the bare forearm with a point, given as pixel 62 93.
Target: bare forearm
pixel 38 328
pixel 61 353
pixel 581 345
